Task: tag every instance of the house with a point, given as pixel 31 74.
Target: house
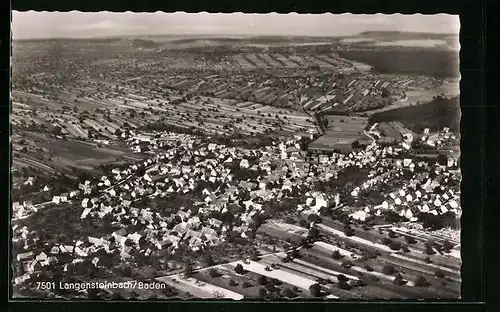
pixel 384 205
pixel 247 185
pixel 190 233
pixel 194 221
pixel 42 257
pixel 337 200
pixel 24 256
pixel 195 243
pixel 320 203
pixel 85 212
pixel 183 214
pixel 215 222
pixel 309 201
pixel 52 259
pixel 21 279
pixel 180 228
pixel 147 178
pixel 424 208
pixel 173 239
pixel 244 163
pixel 293 152
pixel 74 193
pixel 96 241
pixel 86 203
pixel 134 211
pixel 66 248
pixel 437 202
pixel 222 201
pixel 56 200
pixel 54 250
pixel 453 204
pixel 212 146
pixel 207 230
pixel 33 266
pixel 81 252
pixel 171 189
pixel 409 198
pixel 120 239
pixel 359 215
pixel 211 239
pixel 211 198
pixel 16 206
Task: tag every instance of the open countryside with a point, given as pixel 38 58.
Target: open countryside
pixel 237 167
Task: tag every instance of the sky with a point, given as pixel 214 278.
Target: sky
pixel 74 24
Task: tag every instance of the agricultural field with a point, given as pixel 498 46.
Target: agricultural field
pixel 267 58
pixel 290 61
pixel 242 62
pixel 341 93
pixel 63 155
pixel 256 61
pixel 216 115
pixel 340 133
pixel 285 61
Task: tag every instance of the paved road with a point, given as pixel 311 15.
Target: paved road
pixel 318 125
pixel 368 135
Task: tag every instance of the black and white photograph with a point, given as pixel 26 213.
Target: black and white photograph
pixel 235 156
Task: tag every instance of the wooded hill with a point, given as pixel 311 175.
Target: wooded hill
pixel 435 115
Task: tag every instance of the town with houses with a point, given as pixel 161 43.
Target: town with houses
pixel 304 183
pixel 233 191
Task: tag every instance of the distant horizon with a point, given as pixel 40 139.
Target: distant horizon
pixel 32 25
pixel 208 35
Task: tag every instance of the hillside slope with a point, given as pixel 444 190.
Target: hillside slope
pixel 429 62
pixel 435 115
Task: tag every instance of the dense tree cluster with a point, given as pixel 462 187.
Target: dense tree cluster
pixel 435 115
pixel 438 63
pixel 315 290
